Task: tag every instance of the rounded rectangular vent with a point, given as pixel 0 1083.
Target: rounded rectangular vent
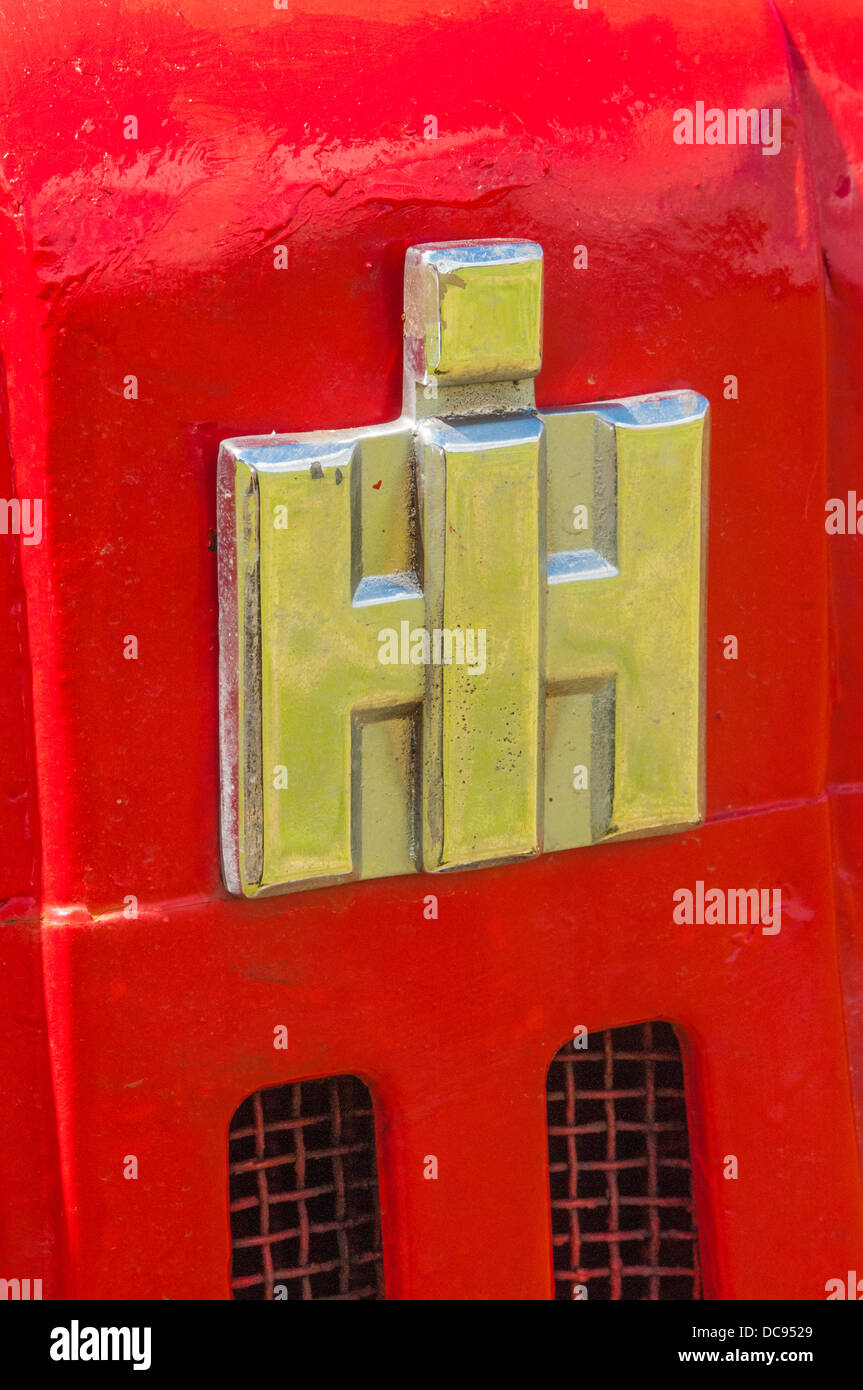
pixel 621 1193
pixel 305 1221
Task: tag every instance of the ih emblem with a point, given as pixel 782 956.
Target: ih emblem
pixel 472 634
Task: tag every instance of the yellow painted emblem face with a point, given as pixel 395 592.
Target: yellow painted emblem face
pixel 470 635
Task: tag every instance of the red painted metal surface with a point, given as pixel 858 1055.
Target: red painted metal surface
pixel 154 257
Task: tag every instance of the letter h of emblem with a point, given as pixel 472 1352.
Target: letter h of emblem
pixel 356 567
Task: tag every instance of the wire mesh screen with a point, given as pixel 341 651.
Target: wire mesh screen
pixel 304 1210
pixel 622 1214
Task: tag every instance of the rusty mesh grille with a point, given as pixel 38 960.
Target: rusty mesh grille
pixel 622 1214
pixel 304 1210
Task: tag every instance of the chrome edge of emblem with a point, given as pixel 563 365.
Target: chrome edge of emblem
pixel 375 720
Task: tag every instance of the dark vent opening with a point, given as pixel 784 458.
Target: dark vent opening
pixel 623 1220
pixel 305 1218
